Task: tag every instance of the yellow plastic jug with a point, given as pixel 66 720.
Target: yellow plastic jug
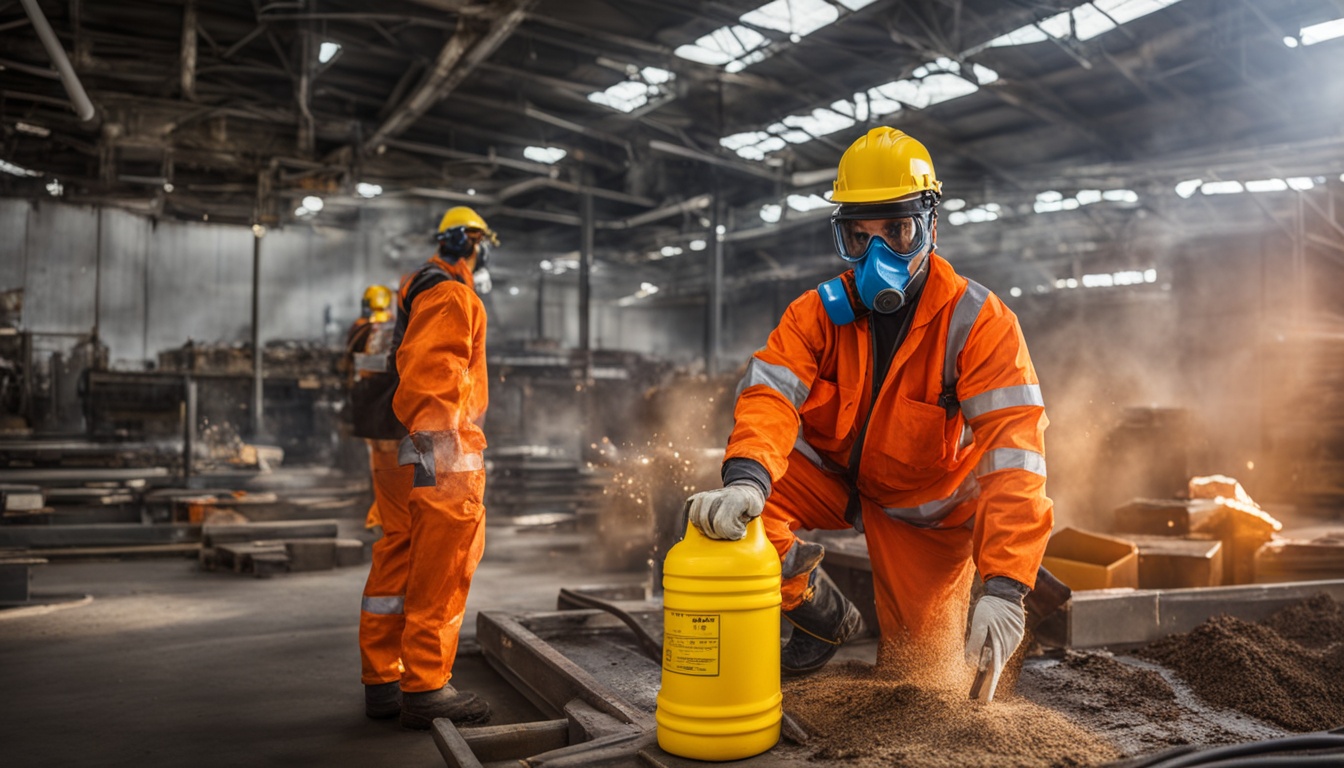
pixel 720 696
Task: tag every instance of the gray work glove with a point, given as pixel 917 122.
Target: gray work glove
pixel 724 514
pixel 998 624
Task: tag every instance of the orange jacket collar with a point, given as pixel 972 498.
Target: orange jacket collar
pixel 457 268
pixel 939 289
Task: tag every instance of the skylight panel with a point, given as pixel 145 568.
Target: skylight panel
pixel 722 45
pixel 930 84
pixel 819 122
pixel 1319 33
pixel 1084 22
pixel 548 155
pixel 629 95
pixel 737 46
pixel 793 17
pixel 626 96
pixel 808 202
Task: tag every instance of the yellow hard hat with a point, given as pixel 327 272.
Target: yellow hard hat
pixel 377 297
pixel 462 216
pixel 885 164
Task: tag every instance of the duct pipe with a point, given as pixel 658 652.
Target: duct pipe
pixel 79 99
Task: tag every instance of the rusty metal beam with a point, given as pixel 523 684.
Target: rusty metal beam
pixel 462 53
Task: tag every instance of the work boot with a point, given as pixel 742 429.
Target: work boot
pixel 382 701
pixel 823 621
pixel 418 710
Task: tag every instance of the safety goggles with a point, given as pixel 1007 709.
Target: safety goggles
pixel 903 226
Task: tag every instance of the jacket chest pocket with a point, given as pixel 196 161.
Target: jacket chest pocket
pixel 911 440
pixel 830 406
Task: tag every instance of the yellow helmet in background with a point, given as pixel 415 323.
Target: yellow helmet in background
pixel 377 297
pixel 462 216
pixel 885 164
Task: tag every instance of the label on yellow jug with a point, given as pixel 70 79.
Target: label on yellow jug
pixel 691 643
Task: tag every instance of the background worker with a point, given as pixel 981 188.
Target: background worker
pixel 367 341
pixel 434 523
pixel 897 398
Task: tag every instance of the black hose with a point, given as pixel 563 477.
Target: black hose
pixel 1239 754
pixel 1278 761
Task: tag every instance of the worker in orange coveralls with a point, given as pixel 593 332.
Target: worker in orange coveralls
pixel 897 398
pixel 369 336
pixel 434 521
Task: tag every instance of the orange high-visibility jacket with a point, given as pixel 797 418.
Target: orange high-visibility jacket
pixel 922 463
pixel 441 361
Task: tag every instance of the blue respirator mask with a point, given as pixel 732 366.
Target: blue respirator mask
pixel 882 241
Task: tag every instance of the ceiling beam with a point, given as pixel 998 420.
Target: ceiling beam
pixel 462 53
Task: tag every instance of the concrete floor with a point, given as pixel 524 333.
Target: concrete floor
pixel 171 666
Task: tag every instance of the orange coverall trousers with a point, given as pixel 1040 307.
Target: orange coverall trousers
pixel 416 594
pixel 921 576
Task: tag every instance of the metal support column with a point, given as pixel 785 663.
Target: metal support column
pixel 541 306
pixel 714 292
pixel 586 272
pixel 256 339
pixel 189 416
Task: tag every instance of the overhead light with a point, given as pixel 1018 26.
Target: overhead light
pixel 513 290
pixel 32 130
pixel 258 231
pixel 167 186
pixel 1301 183
pixel 670 250
pixel 54 188
pixel 771 213
pixel 328 51
pixel 1319 33
pixel 302 212
pixel 697 245
pixel 368 190
pixel 1266 185
pixel 471 191
pixel 952 204
pixel 1014 291
pixel 1221 188
pixel 546 155
pixel 808 202
pixel 17 170
pixel 1290 41
pixel 1189 187
pixel 648 289
pixel 313 203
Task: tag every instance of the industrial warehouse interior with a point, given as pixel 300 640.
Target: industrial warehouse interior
pixel 569 383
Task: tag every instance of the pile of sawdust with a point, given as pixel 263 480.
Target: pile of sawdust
pixel 866 716
pixel 1287 670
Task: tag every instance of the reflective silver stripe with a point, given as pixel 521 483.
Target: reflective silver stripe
pixel 802 446
pixel 930 513
pixel 377 363
pixel 959 329
pixel 776 377
pixel 1011 458
pixel 393 605
pixel 1003 397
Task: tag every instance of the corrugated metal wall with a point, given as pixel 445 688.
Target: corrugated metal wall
pixel 162 283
